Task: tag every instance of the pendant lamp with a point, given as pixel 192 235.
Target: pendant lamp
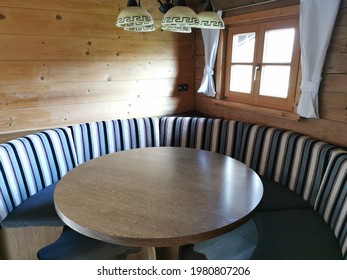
pixel 210 19
pixel 134 16
pixel 180 15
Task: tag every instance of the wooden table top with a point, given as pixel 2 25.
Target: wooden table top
pixel 157 197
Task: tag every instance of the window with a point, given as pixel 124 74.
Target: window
pixel 262 62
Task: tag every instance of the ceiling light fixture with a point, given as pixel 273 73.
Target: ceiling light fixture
pixel 134 18
pixel 210 19
pixel 180 16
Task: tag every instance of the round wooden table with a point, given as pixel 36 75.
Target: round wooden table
pixel 158 197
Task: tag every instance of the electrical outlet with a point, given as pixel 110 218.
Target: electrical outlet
pixel 182 87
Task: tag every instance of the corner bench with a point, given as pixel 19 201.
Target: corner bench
pixel 302 214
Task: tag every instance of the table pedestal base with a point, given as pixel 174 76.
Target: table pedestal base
pixel 152 253
pixel 146 253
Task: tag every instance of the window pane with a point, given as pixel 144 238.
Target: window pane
pixel 241 78
pixel 243 47
pixel 278 45
pixel 275 81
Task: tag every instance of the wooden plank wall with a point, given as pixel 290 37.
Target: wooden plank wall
pixel 64 62
pixel 332 126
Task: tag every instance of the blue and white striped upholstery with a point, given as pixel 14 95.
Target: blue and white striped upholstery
pixel 95 139
pixel 294 160
pixel 331 201
pixel 31 163
pixel 215 135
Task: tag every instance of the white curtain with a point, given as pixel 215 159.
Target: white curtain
pixel 317 19
pixel 211 39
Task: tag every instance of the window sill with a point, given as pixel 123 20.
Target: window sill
pixel 260 110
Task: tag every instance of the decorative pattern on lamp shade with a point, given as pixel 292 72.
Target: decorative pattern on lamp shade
pixel 134 16
pixel 210 20
pixel 181 16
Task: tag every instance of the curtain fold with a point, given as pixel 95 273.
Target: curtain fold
pixel 211 39
pixel 317 19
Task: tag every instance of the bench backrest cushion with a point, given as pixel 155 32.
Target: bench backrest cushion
pixel 96 139
pixel 289 158
pixel 215 135
pixel 31 163
pixel 331 201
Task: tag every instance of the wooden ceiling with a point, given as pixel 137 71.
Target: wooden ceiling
pixel 224 4
pixel 235 4
pixel 237 7
pixel 229 4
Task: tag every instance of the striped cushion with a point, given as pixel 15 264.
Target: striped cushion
pixel 215 135
pixel 31 163
pixel 331 201
pixel 294 160
pixel 95 139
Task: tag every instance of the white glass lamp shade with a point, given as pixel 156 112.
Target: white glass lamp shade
pixel 176 28
pixel 148 28
pixel 210 20
pixel 134 16
pixel 180 16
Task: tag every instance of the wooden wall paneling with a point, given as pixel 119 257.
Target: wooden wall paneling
pixel 333 90
pixel 199 72
pixel 45 23
pixel 335 63
pixel 333 83
pixel 199 44
pixel 26 47
pixel 200 61
pixel 86 6
pixel 48 95
pixel 64 62
pixel 334 106
pixel 28 72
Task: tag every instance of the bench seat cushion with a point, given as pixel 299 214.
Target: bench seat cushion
pixel 238 244
pixel 299 234
pixel 37 210
pixel 278 197
pixel 31 163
